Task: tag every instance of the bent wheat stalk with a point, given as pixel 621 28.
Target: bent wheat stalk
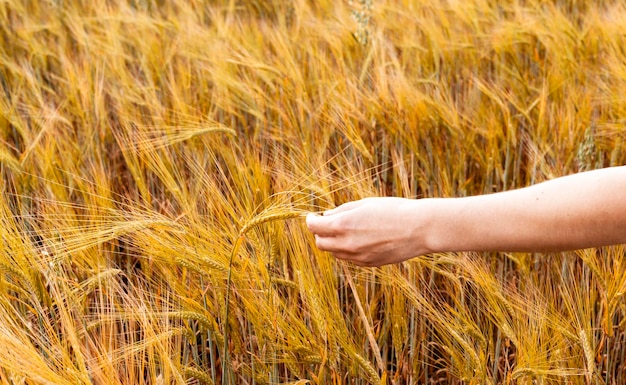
pixel 258 220
pixel 366 324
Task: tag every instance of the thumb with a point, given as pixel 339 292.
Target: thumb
pixel 315 223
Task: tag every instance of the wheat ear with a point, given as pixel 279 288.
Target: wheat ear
pixel 367 367
pixel 264 218
pixel 201 376
pixel 591 367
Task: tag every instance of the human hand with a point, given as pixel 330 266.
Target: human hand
pixel 371 231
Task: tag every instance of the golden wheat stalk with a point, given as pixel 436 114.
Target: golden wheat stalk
pixel 366 323
pixel 256 221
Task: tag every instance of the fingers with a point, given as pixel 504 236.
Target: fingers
pixel 326 243
pixel 333 246
pixel 357 259
pixel 324 225
pixel 345 207
pixel 331 232
pixel 337 246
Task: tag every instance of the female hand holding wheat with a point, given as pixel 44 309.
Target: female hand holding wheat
pixel 372 231
pixel 572 212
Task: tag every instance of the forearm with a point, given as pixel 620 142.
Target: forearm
pixel 573 212
pixel 577 211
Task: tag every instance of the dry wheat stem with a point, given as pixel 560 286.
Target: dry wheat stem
pixel 366 324
pixel 260 219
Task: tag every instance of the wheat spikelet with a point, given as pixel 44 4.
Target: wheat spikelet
pixel 522 372
pixel 214 264
pixel 198 375
pixel 195 316
pixel 259 378
pixel 301 349
pixel 509 333
pixel 290 363
pixel 249 371
pixel 23 280
pixel 190 266
pixel 614 300
pixel 8 286
pixel 312 359
pixel 478 336
pixel 99 278
pixel 314 308
pixel 367 367
pixel 584 341
pixel 586 155
pixel 273 247
pixel 467 347
pixel 362 17
pixel 196 268
pixel 160 139
pixel 284 282
pixel 264 218
pixel 202 320
pixel 190 335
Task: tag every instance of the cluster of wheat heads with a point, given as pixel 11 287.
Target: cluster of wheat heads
pixel 157 158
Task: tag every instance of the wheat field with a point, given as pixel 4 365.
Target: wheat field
pixel 158 156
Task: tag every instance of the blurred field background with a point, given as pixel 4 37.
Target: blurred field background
pixel 157 158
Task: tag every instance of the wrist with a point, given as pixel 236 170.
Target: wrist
pixel 425 224
pixel 439 225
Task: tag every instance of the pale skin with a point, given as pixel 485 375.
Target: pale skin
pixel 578 211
